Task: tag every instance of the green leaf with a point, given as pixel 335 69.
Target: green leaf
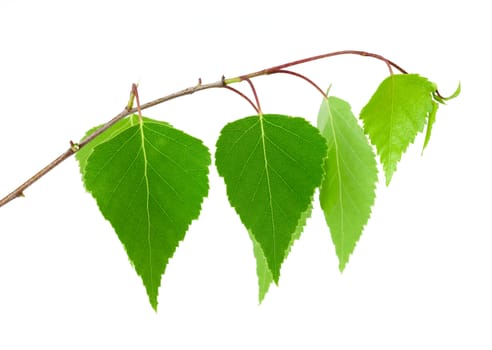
pixel 432 116
pixel 395 114
pixel 430 124
pixel 265 278
pixel 271 165
pixel 348 188
pixel 443 100
pixel 455 94
pixel 149 181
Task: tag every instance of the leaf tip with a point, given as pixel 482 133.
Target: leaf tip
pixel 153 302
pixel 261 297
pixel 389 176
pixel 276 277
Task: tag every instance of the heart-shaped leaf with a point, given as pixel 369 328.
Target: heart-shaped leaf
pixel 149 181
pixel 271 165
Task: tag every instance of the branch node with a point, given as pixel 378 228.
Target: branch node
pixel 74 146
pixel 129 105
pixel 135 95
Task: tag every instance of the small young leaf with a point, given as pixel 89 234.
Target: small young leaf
pixel 265 278
pixel 149 181
pixel 348 188
pixel 443 100
pixel 395 114
pixel 430 124
pixel 455 94
pixel 271 165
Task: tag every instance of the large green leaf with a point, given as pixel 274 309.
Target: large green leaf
pixel 149 181
pixel 396 112
pixel 348 188
pixel 271 165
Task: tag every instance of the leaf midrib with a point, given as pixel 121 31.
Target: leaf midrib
pixel 263 141
pixel 147 200
pixel 340 186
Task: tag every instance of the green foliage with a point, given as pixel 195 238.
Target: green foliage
pixel 430 124
pixel 265 278
pixel 348 189
pixel 271 165
pixel 397 111
pixel 149 181
pixel 432 115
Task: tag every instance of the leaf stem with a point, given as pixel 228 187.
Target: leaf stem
pixel 243 96
pixel 303 77
pixel 135 94
pixel 129 109
pixel 254 94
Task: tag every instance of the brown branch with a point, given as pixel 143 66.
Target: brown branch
pixel 19 191
pixel 315 58
pixel 74 147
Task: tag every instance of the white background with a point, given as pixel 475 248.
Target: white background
pixel 420 275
